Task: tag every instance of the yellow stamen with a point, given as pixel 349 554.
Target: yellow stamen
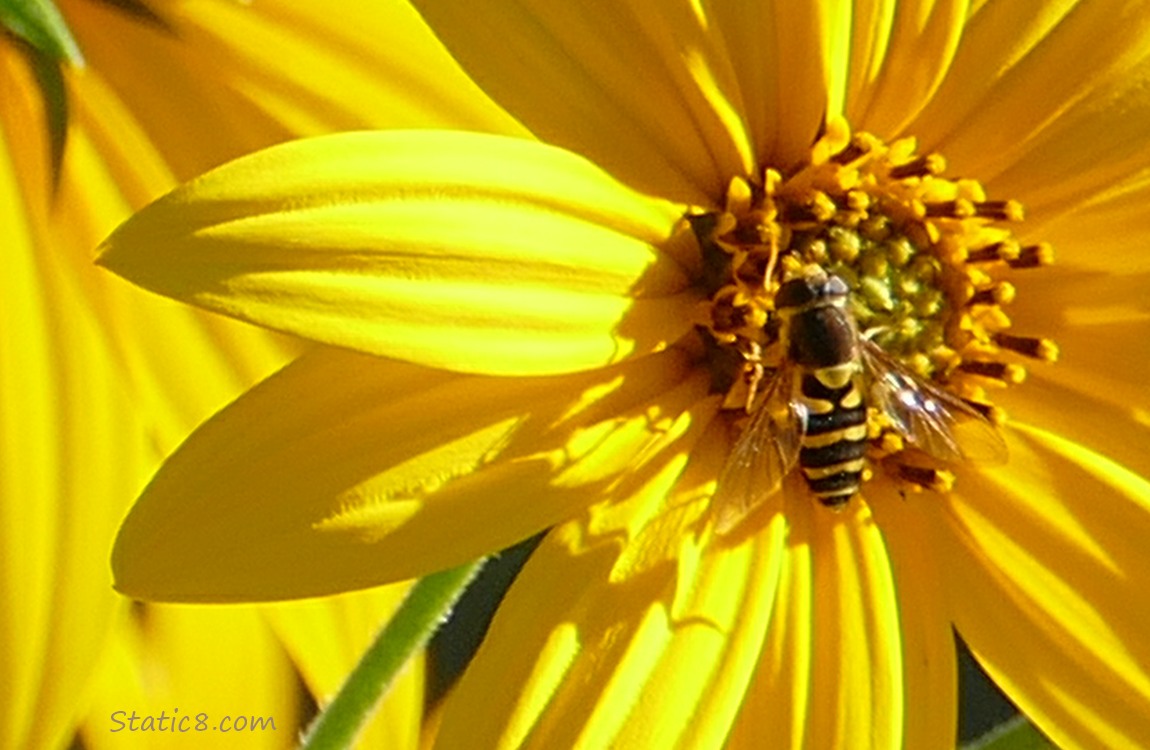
pixel 1043 349
pixel 1006 372
pixel 925 258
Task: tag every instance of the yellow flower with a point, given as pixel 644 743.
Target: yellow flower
pixel 569 331
pixel 103 107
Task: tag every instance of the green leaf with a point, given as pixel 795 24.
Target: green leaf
pixel 1014 734
pixel 40 24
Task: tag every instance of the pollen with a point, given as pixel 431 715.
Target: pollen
pixel 931 262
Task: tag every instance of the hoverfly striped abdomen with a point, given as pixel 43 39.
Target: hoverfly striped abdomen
pixel 834 444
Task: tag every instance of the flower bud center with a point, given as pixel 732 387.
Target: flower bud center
pixel 926 259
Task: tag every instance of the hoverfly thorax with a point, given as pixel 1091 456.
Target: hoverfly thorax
pixel 821 345
pixel 856 324
pixel 818 329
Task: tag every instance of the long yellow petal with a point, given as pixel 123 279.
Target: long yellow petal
pixel 831 673
pixel 774 713
pixel 870 26
pixel 180 364
pixel 780 53
pixel 249 75
pixel 907 48
pixel 857 696
pixel 462 251
pixel 1087 234
pixel 71 451
pixel 1042 557
pixel 928 648
pixel 1101 322
pixel 1119 430
pixel 335 473
pixel 1026 80
pixel 643 88
pixel 613 655
pixel 1096 145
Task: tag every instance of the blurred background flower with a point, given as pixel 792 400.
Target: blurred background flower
pixel 105 105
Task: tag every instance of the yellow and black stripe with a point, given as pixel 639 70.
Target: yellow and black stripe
pixel 831 457
pixel 821 339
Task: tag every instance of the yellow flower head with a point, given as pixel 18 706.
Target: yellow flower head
pixel 716 310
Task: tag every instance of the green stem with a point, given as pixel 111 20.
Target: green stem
pixel 40 24
pixel 425 608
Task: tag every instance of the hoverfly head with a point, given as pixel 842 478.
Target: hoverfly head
pixel 815 288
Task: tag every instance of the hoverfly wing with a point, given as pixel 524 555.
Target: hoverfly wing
pixel 764 453
pixel 931 419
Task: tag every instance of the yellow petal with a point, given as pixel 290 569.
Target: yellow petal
pixel 904 51
pixel 326 638
pixel 868 30
pixel 781 53
pixel 1093 146
pixel 250 75
pixel 1048 565
pixel 1025 79
pixel 180 364
pixel 193 677
pixel 464 251
pixel 856 682
pixel 831 673
pixel 656 659
pixel 345 471
pixel 1100 322
pixel 1105 232
pixel 71 450
pixel 643 88
pixel 774 712
pixel 929 657
pixel 374 64
pixel 1097 419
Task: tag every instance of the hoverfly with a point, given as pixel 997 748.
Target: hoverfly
pixel 814 409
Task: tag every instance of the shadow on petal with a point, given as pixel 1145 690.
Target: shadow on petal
pixel 345 471
pixel 1048 560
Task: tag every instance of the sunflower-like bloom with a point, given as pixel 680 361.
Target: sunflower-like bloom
pixel 105 106
pixel 584 331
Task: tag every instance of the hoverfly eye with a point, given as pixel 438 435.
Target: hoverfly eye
pixel 834 287
pixel 795 293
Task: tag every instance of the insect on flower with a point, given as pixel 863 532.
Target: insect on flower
pixel 814 411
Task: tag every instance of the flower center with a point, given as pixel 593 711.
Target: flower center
pixel 926 261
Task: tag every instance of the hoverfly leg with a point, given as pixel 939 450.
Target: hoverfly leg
pixel 754 380
pixel 754 373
